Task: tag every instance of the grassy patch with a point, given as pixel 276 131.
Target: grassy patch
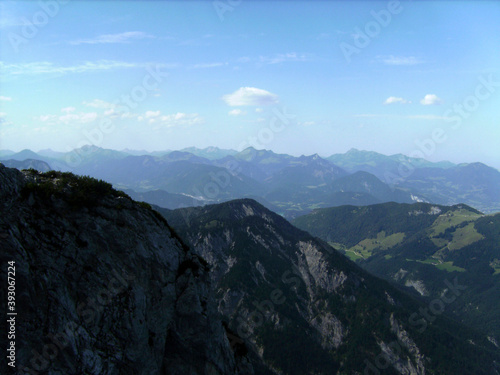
pixel 448 266
pixel 464 236
pixel 352 255
pixel 445 266
pixel 432 261
pixel 451 219
pixel 366 247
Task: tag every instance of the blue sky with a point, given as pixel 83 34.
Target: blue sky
pixel 418 78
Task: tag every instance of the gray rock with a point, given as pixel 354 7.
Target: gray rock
pixel 106 289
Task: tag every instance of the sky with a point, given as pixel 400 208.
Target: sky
pixel 420 78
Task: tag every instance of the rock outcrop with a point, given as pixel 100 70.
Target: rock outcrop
pixel 103 285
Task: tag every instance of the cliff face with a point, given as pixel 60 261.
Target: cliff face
pixel 302 307
pixel 104 287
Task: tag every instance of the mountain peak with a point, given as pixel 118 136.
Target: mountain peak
pixel 89 148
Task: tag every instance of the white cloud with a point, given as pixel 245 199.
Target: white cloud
pixel 46 118
pixel 250 96
pixel 399 60
pixel 394 99
pixel 111 113
pixel 125 37
pixel 237 112
pixel 282 57
pixel 167 121
pixel 81 118
pixel 431 99
pixel 259 110
pixel 87 117
pixel 68 109
pixel 98 103
pixel 5 99
pixel 152 114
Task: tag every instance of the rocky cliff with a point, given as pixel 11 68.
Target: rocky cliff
pixel 103 285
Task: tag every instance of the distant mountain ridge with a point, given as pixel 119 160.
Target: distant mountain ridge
pixel 374 162
pixel 295 185
pixel 27 164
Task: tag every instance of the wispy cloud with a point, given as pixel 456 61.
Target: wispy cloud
pixel 68 118
pixel 372 115
pixel 126 37
pixel 250 96
pixel 208 65
pixel 5 98
pixel 160 121
pixel 431 99
pixel 98 103
pixel 399 60
pixel 394 99
pixel 402 117
pixel 68 109
pixel 44 67
pixel 283 57
pixel 155 119
pixel 152 114
pixel 427 117
pixel 8 19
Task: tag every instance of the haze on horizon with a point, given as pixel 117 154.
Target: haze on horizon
pixel 292 77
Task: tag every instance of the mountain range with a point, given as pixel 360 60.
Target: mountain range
pixel 289 185
pixel 107 285
pixel 326 312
